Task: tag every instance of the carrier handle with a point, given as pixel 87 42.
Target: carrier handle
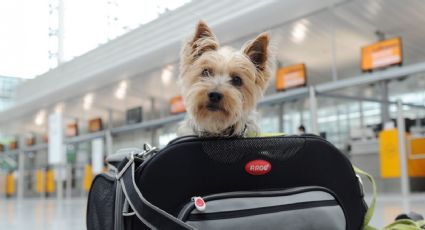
pixel 149 214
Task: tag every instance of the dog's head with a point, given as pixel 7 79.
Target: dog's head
pixel 221 86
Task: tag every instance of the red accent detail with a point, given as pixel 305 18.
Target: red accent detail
pixel 199 202
pixel 258 167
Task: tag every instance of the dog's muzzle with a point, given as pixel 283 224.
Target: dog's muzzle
pixel 214 99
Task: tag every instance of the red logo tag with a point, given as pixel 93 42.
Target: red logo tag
pixel 199 203
pixel 258 167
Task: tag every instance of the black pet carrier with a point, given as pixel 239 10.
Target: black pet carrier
pixel 282 182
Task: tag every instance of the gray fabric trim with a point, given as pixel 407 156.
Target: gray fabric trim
pixel 119 202
pixel 126 208
pixel 129 214
pixel 232 204
pixel 320 218
pixel 137 214
pixel 119 155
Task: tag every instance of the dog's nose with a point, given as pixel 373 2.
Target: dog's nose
pixel 215 96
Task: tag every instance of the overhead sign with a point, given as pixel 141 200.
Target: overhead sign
pixel 46 138
pixel 13 145
pixel 291 76
pixel 134 115
pixel 177 105
pixel 382 54
pixel 30 140
pixel 72 130
pixel 95 124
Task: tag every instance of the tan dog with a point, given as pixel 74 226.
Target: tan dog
pixel 221 86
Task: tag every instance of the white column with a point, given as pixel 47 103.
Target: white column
pixel 61 31
pixel 313 111
pixel 404 177
pixel 21 171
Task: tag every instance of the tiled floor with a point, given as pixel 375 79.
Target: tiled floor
pixel 37 214
pixel 389 206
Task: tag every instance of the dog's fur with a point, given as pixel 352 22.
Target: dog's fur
pixel 208 68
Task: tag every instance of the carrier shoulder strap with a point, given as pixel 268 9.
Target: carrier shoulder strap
pixel 149 214
pixel 371 209
pixel 406 224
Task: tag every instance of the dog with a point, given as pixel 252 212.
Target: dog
pixel 220 86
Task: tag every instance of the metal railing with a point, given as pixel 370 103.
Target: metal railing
pixel 312 93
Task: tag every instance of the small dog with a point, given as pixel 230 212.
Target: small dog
pixel 221 86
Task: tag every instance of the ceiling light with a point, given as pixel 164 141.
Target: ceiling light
pixel 121 90
pixel 167 74
pixel 59 107
pixel 299 31
pixel 40 117
pixel 88 101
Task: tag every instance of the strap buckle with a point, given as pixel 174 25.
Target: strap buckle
pixel 148 151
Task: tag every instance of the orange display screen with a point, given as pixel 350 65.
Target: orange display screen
pixel 177 105
pixel 45 138
pixel 382 54
pixel 95 125
pixel 72 130
pixel 13 145
pixel 30 141
pixel 290 77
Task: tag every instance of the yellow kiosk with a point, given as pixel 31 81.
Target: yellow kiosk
pixel 390 156
pixel 10 184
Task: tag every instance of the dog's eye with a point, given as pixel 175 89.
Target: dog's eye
pixel 236 81
pixel 206 73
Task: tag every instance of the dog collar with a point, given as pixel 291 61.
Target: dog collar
pixel 229 132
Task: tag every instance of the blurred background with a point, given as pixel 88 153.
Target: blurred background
pixel 82 79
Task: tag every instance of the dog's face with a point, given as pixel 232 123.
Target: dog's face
pixel 221 86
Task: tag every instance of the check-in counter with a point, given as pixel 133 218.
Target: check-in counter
pixel 10 184
pixel 389 158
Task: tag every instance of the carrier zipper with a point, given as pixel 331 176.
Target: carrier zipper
pixel 263 193
pixel 260 211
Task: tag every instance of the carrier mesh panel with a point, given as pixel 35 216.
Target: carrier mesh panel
pixel 235 150
pixel 100 208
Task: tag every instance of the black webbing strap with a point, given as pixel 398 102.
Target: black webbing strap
pixel 149 214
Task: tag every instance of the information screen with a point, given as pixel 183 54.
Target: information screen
pixel 30 141
pixel 72 130
pixel 177 105
pixel 13 145
pixel 134 115
pixel 382 54
pixel 95 125
pixel 291 76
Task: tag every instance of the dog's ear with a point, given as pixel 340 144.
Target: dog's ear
pixel 202 31
pixel 203 40
pixel 258 52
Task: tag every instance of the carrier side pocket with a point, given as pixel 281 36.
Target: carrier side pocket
pixel 101 203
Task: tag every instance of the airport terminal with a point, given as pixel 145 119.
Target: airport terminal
pixel 82 82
